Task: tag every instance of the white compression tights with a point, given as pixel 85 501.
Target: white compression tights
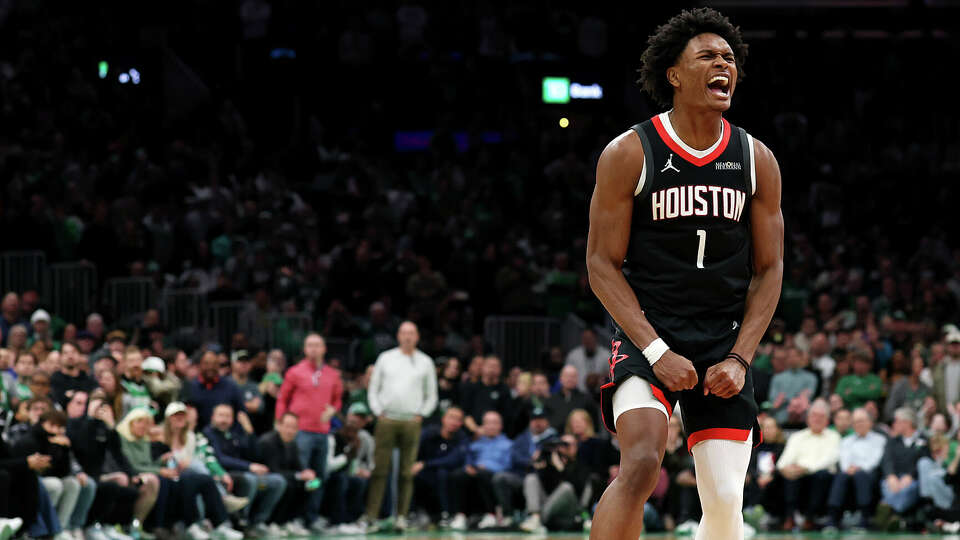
pixel 721 468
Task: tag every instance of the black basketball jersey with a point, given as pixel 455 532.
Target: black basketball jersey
pixel 690 247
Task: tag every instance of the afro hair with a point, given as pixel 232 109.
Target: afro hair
pixel 667 43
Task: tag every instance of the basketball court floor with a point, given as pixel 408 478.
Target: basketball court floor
pixel 570 536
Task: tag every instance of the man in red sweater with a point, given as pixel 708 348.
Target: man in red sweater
pixel 312 390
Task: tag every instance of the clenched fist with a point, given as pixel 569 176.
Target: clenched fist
pixel 675 371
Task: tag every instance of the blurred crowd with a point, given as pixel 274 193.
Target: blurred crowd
pixel 256 179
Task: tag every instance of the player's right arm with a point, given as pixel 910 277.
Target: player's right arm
pixel 611 209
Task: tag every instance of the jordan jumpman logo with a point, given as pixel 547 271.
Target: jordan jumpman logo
pixel 670 165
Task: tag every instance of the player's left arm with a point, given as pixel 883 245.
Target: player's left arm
pixel 727 378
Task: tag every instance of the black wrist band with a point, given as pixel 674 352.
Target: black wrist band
pixel 739 359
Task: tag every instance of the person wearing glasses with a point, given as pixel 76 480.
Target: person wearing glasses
pixel 70 378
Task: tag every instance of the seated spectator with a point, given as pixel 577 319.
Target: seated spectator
pixel 861 386
pixel 448 385
pixel 162 385
pixel 486 456
pixel 236 450
pixel 135 393
pixel 64 481
pixel 40 385
pixel 176 484
pixel 568 398
pixel 682 504
pixel 28 415
pixel 487 394
pixel 351 466
pixel 20 472
pixel 558 490
pixel 122 494
pixel 807 465
pixel 509 483
pixel 443 449
pixel 936 478
pixel 519 400
pixel 588 358
pixel 594 453
pixel 18 385
pixel 193 452
pixel 899 469
pixel 70 378
pixel 109 383
pixel 842 422
pixel 762 493
pixel 859 457
pixel 792 390
pixel 280 455
pixel 908 392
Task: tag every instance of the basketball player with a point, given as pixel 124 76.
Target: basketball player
pixel 685 251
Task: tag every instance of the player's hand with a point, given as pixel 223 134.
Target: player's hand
pixel 724 379
pixel 675 371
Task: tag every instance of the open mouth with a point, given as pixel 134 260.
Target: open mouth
pixel 719 85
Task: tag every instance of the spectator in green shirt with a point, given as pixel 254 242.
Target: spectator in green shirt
pixel 862 385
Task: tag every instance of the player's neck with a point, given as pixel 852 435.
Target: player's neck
pixel 698 129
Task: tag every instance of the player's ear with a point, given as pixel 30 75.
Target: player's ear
pixel 673 76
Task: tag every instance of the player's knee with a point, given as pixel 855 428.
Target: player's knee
pixel 726 499
pixel 640 469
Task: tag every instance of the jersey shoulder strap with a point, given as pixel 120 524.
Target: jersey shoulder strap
pixel 648 168
pixel 749 167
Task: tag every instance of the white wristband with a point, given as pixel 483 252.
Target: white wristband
pixel 655 350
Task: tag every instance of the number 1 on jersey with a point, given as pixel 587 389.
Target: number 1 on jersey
pixel 703 243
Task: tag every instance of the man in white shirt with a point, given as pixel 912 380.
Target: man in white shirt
pixel 588 358
pixel 860 455
pixel 807 465
pixel 403 391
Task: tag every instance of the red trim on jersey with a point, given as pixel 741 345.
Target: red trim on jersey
pixel 658 393
pixel 729 434
pixel 687 156
pixel 602 416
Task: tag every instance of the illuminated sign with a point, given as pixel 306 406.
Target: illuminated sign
pixel 561 90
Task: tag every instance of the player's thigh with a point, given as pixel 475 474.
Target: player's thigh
pixel 641 422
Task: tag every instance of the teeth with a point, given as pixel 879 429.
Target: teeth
pixel 723 78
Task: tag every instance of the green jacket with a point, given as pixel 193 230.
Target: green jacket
pixel 138 454
pixel 856 390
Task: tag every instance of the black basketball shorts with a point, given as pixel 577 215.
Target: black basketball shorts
pixel 705 342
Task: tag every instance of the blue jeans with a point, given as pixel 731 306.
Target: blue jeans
pixel 313 449
pixel 264 493
pixel 47 523
pixel 902 500
pixel 350 494
pixel 88 493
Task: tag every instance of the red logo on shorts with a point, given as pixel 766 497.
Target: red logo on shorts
pixel 615 356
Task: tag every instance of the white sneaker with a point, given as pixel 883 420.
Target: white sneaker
pixel 95 532
pixel 276 531
pixel 319 525
pixel 259 530
pixel 748 531
pixel 224 532
pixel 459 522
pixel 294 528
pixel 234 503
pixel 489 521
pixel 532 524
pixel 9 527
pixel 114 534
pixel 196 532
pixel 688 527
pixel 401 523
pixel 352 528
